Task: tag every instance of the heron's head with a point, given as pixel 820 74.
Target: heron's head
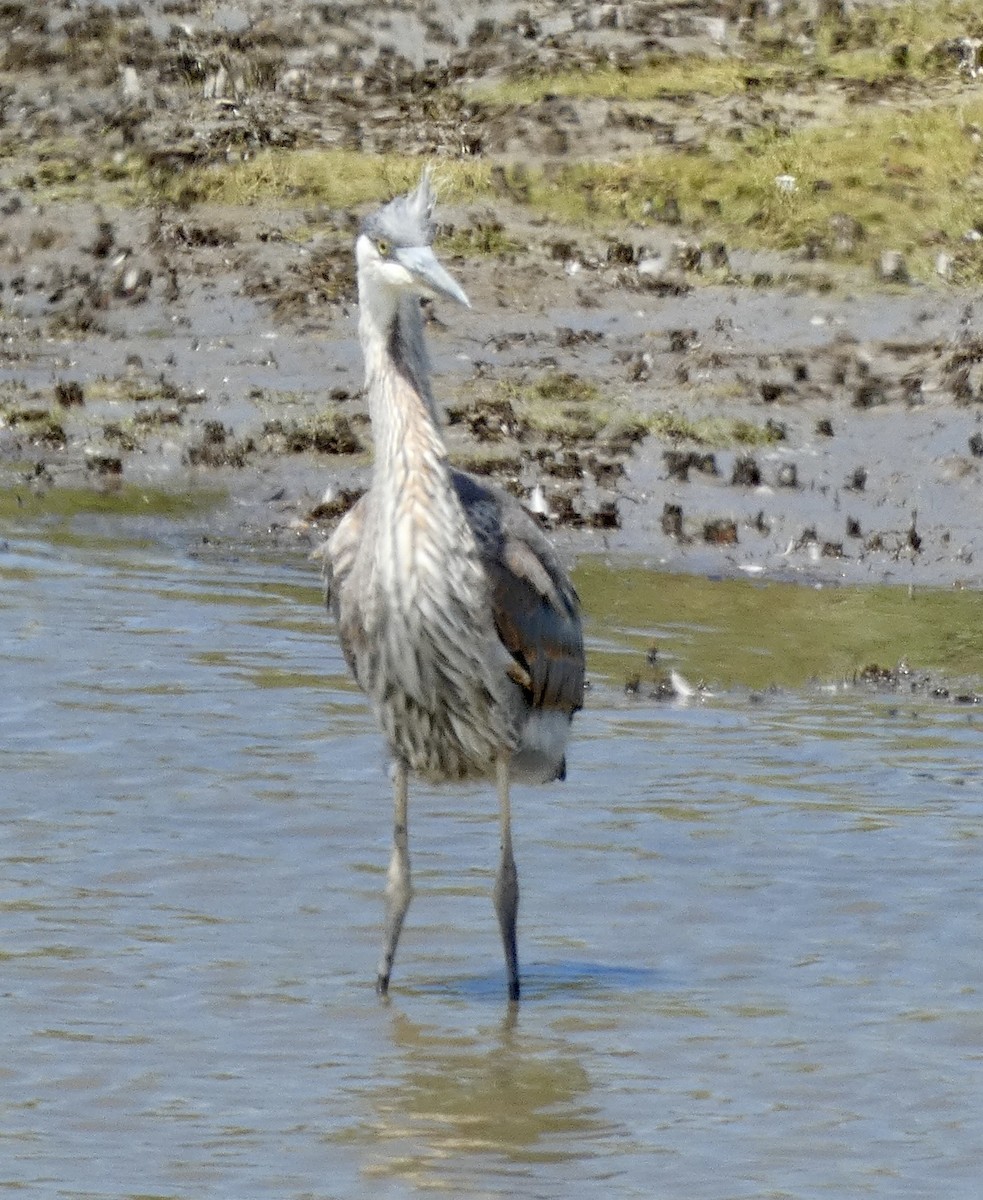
pixel 394 249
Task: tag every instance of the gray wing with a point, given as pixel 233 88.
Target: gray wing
pixel 535 606
pixel 337 557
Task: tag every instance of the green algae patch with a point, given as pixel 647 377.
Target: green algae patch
pixel 736 633
pixel 21 502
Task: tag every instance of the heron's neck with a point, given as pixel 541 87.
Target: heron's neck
pixel 405 424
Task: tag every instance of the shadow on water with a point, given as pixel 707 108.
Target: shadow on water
pixel 546 980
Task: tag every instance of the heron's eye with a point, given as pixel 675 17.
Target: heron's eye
pixel 383 247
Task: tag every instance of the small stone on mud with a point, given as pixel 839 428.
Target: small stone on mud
pixel 668 212
pixel 621 253
pixel 893 268
pixel 561 464
pixel 824 427
pixel 214 433
pixel 335 506
pixel 681 340
pixel 567 337
pixel 623 437
pixel 565 512
pixel 652 267
pixel 537 503
pixel 746 472
pixel 69 394
pixel 672 520
pixel 788 476
pixel 640 367
pixel 858 480
pixel 715 257
pixel 976 445
pixel 217 448
pixel 846 232
pixel 129 84
pixel 605 471
pixel 133 283
pixel 876 674
pixel 563 251
pixel 870 393
pixel 679 462
pixel 722 532
pixel 606 516
pixel 104 464
pixel 104 241
pixel 688 256
pixel 492 419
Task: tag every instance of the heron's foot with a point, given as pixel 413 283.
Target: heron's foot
pixel 385 969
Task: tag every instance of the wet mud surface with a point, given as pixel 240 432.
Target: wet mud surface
pixel 698 407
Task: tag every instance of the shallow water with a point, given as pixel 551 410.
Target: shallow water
pixel 750 926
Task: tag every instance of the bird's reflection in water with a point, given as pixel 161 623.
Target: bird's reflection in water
pixel 495 1092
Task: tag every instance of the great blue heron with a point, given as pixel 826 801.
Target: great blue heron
pixel 453 611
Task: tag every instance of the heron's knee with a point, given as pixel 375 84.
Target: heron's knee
pixel 399 892
pixel 399 888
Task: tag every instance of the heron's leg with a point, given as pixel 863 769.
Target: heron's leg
pixel 398 888
pixel 506 893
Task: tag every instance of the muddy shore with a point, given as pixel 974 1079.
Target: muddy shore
pixel 648 391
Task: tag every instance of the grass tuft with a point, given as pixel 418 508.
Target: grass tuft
pixel 337 178
pixel 718 432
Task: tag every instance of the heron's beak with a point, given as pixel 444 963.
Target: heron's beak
pixel 429 275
